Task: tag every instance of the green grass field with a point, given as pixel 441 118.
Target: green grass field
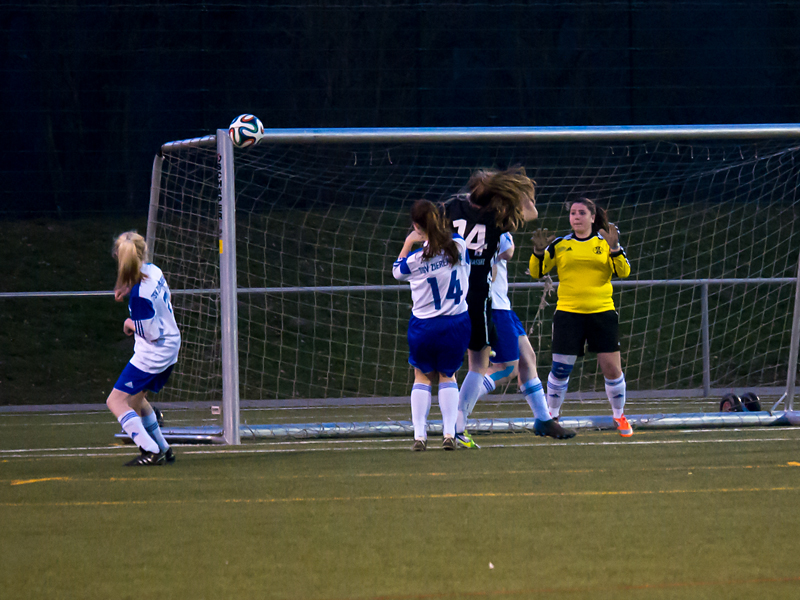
pixel 667 514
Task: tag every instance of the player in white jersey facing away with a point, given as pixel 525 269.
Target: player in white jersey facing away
pixel 157 342
pixel 513 355
pixel 439 327
pixel 493 203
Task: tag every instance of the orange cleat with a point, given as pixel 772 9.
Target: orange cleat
pixel 623 427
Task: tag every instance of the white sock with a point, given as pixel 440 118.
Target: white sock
pixel 150 423
pixel 615 390
pixel 448 403
pixel 556 392
pixel 420 407
pixel 534 395
pixel 488 386
pixel 467 397
pixel 132 425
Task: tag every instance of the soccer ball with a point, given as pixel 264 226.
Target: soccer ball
pixel 246 130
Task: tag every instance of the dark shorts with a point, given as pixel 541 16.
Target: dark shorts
pixel 483 329
pixel 506 343
pixel 134 380
pixel 597 332
pixel 438 344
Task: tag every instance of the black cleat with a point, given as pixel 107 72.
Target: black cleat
pixel 169 456
pixel 159 417
pixel 449 443
pixel 148 459
pixel 553 429
pixel 420 445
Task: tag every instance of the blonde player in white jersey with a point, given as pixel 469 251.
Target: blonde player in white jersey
pixel 513 353
pixel 439 327
pixel 157 342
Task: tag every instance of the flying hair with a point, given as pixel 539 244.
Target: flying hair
pixel 130 250
pixel 502 193
pixel 440 238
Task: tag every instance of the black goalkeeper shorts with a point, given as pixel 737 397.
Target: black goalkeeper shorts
pixel 596 332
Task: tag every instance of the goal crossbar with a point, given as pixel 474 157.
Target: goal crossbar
pixel 511 134
pixel 229 291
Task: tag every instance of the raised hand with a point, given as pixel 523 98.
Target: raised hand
pixel 541 239
pixel 120 293
pixel 415 237
pixel 611 236
pixel 412 238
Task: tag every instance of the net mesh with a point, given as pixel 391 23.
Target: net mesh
pixel 319 226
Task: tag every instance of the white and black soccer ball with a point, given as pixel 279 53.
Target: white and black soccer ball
pixel 246 130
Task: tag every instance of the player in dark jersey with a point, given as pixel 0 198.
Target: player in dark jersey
pixel 494 202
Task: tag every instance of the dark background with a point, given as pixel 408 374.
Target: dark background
pixel 92 89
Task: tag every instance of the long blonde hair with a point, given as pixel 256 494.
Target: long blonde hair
pixel 503 193
pixel 130 250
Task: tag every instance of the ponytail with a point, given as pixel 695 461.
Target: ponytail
pixel 130 251
pixel 440 238
pixel 600 220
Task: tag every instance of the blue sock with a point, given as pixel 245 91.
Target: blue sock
pixel 151 426
pixel 534 395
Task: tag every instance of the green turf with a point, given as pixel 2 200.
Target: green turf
pixel 663 515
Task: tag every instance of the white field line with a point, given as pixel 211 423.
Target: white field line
pixel 345 445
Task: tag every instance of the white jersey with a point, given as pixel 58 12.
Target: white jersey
pixel 156 332
pixel 437 288
pixel 500 299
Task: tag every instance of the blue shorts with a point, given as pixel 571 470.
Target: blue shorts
pixel 438 344
pixel 509 328
pixel 133 380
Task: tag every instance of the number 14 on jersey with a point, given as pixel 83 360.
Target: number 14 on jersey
pixel 454 291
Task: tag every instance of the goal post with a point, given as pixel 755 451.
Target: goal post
pixel 279 256
pixel 228 290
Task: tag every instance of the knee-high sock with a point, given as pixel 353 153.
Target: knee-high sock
pixel 556 392
pixel 487 387
pixel 420 407
pixel 467 397
pixel 448 403
pixel 490 381
pixel 150 423
pixel 534 395
pixel 132 424
pixel 615 390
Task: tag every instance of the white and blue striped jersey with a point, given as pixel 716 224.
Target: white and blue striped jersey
pixel 437 288
pixel 500 299
pixel 157 339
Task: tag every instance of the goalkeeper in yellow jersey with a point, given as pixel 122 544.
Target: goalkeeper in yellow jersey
pixel 585 260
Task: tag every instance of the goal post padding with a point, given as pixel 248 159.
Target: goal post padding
pixel 707 218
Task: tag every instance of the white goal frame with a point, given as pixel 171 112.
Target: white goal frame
pixel 229 292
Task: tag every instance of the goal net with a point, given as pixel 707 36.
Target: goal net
pixel 708 218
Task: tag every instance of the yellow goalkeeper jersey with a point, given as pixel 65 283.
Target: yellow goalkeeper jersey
pixel 585 267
